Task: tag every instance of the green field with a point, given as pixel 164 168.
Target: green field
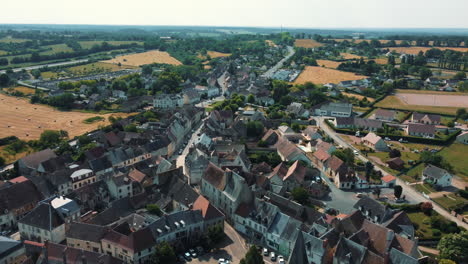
pixel 424 188
pixel 12 40
pixel 2 52
pixel 416 172
pixel 423 222
pixel 457 155
pixel 90 44
pixel 53 49
pixel 451 202
pixel 392 102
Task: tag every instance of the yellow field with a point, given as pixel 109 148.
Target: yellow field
pixel 307 43
pixel 381 61
pixel 270 43
pixel 320 75
pixel 328 63
pixel 49 75
pixel 28 121
pixel 23 89
pixel 149 57
pixel 395 103
pixel 2 52
pixel 416 50
pixel 349 56
pixel 90 44
pixel 215 54
pixel 359 97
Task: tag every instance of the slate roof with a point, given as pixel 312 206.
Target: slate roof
pixel 419 116
pixel 44 216
pixel 86 232
pixel 434 172
pixel 348 251
pixel 421 128
pixel 10 200
pixel 55 253
pixel 8 246
pixel 33 160
pixel 188 217
pixel 215 176
pixel 376 208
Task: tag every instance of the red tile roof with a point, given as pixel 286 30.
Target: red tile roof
pixel 137 175
pixel 388 178
pixel 322 155
pixel 18 179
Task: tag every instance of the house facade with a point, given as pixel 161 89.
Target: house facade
pixel 437 176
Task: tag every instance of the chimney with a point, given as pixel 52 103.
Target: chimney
pixel 64 255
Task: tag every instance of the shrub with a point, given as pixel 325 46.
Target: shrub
pixel 426 208
pixel 436 232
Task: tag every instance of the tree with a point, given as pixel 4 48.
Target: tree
pixel 394 153
pixel 453 247
pixel 346 155
pixel 461 112
pixel 154 209
pixel 50 138
pixel 446 261
pixel 36 73
pixel 251 99
pixel 4 79
pixel 164 254
pixel 254 128
pixel 459 76
pixel 425 73
pixel 377 192
pixel 216 234
pixel 426 208
pixel 252 257
pixel 300 194
pixel 397 190
pixel 2 161
pixel 369 167
pixel 130 128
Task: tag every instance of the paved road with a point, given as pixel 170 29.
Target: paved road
pixel 270 72
pixel 49 65
pixel 411 195
pixel 181 158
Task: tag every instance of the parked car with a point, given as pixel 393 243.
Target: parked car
pixel 223 261
pixel 273 256
pixel 193 253
pixel 187 256
pixel 359 195
pixel 281 260
pixel 200 250
pixel 356 152
pixel 181 259
pixel 265 252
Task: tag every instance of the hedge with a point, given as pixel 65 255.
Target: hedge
pixel 8 140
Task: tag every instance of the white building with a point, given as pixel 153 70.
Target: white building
pixel 463 138
pixel 437 176
pixel 168 101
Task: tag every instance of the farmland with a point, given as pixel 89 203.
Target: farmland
pixel 320 75
pixel 12 40
pixel 357 41
pixel 358 96
pixel 214 55
pixel 149 57
pixel 433 99
pixel 328 63
pixel 456 156
pixel 349 56
pixel 393 102
pixel 307 43
pixel 22 89
pixel 90 44
pixel 270 43
pixel 27 121
pixel 57 48
pixel 416 50
pixel 2 52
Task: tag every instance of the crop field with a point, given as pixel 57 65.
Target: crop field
pixel 358 96
pixel 149 57
pixel 329 63
pixel 410 91
pixel 270 43
pixel 307 43
pixel 416 50
pixel 393 102
pixel 12 40
pixel 320 75
pixel 57 48
pixel 28 121
pixel 349 56
pixel 381 61
pixel 23 89
pixel 90 44
pixel 433 99
pixel 97 67
pixel 2 52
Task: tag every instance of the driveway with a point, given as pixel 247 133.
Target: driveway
pixel 411 194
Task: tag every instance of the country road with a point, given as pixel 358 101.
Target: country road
pixel 410 193
pixel 272 70
pixel 48 65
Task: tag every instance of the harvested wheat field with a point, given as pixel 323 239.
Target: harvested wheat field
pixel 23 89
pixel 270 43
pixel 215 54
pixel 434 99
pixel 27 121
pixel 328 63
pixel 320 75
pixel 149 57
pixel 307 43
pixel 358 96
pixel 416 50
pixel 394 102
pixel 349 56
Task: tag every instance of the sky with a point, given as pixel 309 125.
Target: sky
pixel 243 13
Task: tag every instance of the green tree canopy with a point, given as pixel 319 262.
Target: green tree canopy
pixel 454 247
pixel 164 254
pixel 252 257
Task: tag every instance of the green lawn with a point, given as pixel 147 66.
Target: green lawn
pixel 456 154
pixel 423 221
pixel 424 188
pixel 451 202
pixel 57 48
pixel 90 44
pixel 407 178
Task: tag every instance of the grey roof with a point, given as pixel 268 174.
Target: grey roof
pixel 87 232
pixel 432 117
pixel 44 216
pixel 33 160
pixel 374 208
pixel 8 245
pixel 421 128
pixel 348 251
pixel 13 196
pixel 188 217
pixel 364 122
pixel 338 107
pixel 434 172
pixel 398 257
pixel 299 253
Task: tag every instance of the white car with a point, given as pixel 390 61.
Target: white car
pixel 356 152
pixel 273 256
pixel 281 260
pixel 265 252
